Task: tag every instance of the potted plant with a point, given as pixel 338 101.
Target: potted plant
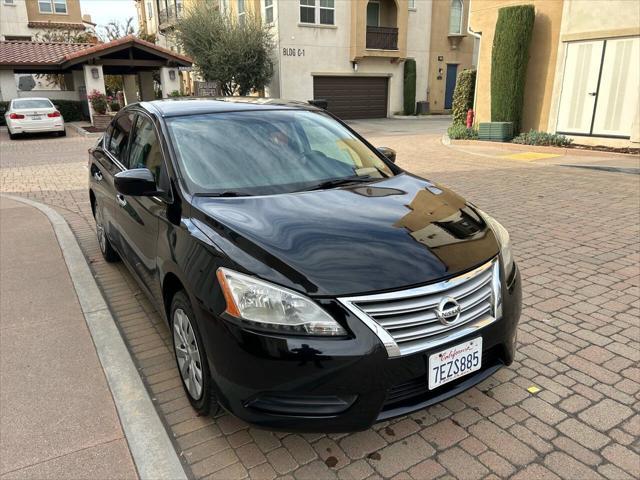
pixel 98 101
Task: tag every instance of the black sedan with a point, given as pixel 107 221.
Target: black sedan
pixel 309 283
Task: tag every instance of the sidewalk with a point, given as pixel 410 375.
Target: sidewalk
pixel 58 418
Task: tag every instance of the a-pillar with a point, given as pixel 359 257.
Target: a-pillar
pixel 93 81
pixel 147 92
pixel 130 89
pixel 169 80
pixel 8 89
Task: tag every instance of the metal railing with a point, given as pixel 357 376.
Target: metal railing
pixel 382 38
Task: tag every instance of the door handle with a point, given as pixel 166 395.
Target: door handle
pixel 121 200
pixel 593 94
pixel 97 175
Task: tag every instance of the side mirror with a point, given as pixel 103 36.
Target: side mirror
pixel 390 153
pixel 138 182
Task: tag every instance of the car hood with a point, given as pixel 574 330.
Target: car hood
pixel 395 233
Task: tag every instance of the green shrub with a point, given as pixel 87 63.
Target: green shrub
pixel 409 87
pixel 534 137
pixel 463 96
pixel 98 101
pixel 509 59
pixel 114 106
pixel 71 110
pixel 461 132
pixel 174 94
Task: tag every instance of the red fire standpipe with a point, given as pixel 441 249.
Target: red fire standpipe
pixel 469 118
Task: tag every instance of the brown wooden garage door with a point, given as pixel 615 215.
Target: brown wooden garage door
pixel 353 97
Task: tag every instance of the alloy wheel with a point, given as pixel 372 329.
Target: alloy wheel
pixel 187 353
pixel 102 237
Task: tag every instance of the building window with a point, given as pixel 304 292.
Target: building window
pixel 242 13
pixel 412 4
pixel 53 6
pixel 320 12
pixel 268 11
pixel 9 2
pixel 149 10
pixel 17 38
pixel 455 17
pixel 373 14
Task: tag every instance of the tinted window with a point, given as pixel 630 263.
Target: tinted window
pixel 268 152
pixel 119 136
pixel 145 149
pixel 32 103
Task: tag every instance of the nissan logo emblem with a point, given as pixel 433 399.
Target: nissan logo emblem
pixel 448 311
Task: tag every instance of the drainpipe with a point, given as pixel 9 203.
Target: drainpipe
pixel 477 35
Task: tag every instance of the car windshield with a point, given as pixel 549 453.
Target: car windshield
pixel 267 152
pixel 32 103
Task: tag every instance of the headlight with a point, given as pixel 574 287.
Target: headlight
pixel 503 239
pixel 270 307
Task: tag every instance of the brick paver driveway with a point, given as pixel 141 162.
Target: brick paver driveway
pixel 575 234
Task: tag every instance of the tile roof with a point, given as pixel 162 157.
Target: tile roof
pixel 36 53
pixel 17 53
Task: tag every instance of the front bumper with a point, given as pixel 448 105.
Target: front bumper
pixel 313 384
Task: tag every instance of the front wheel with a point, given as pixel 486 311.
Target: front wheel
pixel 190 355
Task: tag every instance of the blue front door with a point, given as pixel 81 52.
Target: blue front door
pixel 452 73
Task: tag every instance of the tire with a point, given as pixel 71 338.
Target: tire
pixel 63 133
pixel 107 250
pixel 191 358
pixel 12 136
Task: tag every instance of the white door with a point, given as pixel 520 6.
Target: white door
pixel 619 86
pixel 579 87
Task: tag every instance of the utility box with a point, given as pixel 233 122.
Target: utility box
pixel 496 131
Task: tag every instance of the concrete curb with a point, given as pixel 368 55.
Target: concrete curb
pixel 83 132
pixel 150 445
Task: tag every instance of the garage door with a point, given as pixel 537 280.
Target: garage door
pixel 353 97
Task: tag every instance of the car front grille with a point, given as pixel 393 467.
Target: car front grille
pixel 406 321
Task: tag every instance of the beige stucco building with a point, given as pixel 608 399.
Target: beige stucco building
pixel 452 50
pixel 583 76
pixel 26 20
pixel 348 52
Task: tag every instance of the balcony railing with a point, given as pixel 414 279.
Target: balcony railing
pixel 382 38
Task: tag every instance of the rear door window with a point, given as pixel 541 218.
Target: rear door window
pixel 118 139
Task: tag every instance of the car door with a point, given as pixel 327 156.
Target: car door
pixel 108 159
pixel 138 217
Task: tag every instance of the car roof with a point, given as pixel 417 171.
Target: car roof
pixel 174 107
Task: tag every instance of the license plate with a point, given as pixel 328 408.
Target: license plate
pixel 455 362
pixel 36 117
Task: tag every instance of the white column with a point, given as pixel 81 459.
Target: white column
pixel 147 92
pixel 130 89
pixel 93 80
pixel 170 80
pixel 8 88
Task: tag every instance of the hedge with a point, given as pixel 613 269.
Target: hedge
pixel 509 59
pixel 463 96
pixel 410 87
pixel 71 110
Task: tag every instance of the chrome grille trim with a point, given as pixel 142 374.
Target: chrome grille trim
pixel 406 322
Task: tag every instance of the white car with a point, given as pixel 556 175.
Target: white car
pixel 33 115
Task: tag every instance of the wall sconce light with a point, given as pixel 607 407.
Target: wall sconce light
pixel 354 65
pixel 95 73
pixel 172 75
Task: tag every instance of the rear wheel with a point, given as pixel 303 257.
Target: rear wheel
pixel 12 136
pixel 62 133
pixel 108 252
pixel 190 355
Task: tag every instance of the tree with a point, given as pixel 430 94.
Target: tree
pixel 235 54
pixel 509 59
pixel 115 29
pixel 463 96
pixel 409 86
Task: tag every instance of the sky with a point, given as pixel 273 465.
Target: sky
pixel 103 11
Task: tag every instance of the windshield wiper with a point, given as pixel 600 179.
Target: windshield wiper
pixel 336 182
pixel 226 193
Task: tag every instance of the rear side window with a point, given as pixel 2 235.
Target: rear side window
pixel 117 137
pixel 32 103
